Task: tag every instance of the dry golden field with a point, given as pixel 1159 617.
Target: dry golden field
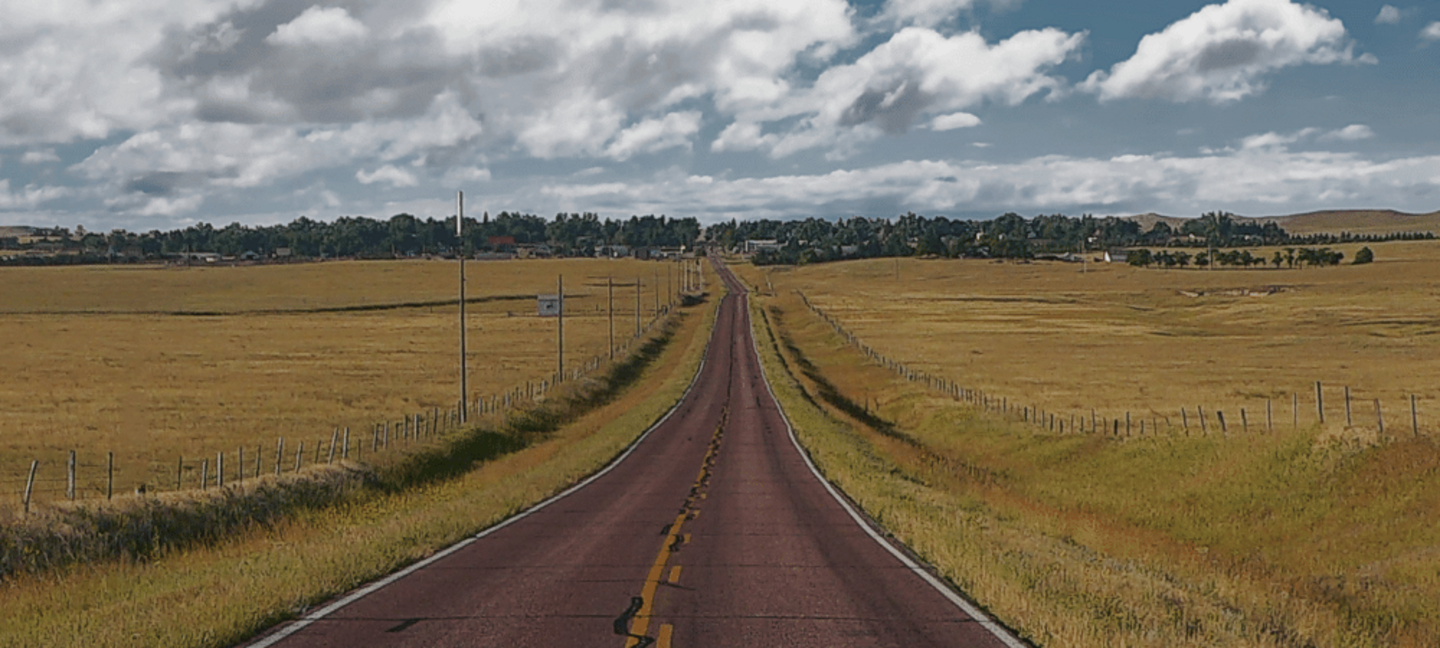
pixel 158 364
pixel 1118 339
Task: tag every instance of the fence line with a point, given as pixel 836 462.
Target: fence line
pixel 1034 415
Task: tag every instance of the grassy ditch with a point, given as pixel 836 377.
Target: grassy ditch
pixel 222 592
pixel 1277 539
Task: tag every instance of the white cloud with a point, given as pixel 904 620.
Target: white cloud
pixel 926 13
pixel 397 177
pixel 953 121
pixel 1351 133
pixel 1431 32
pixel 464 175
pixel 918 72
pixel 320 26
pixel 674 130
pixel 75 69
pixel 1255 181
pixel 1388 16
pixel 30 196
pixel 40 156
pixel 1221 53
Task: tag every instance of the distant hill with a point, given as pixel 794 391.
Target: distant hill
pixel 1357 221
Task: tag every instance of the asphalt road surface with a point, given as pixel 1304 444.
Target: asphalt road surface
pixel 714 530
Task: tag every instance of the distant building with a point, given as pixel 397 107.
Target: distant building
pixel 755 245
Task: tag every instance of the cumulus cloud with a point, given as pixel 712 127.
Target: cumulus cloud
pixel 918 72
pixel 673 130
pixel 320 26
pixel 1351 133
pixel 40 156
pixel 928 13
pixel 1256 181
pixel 30 196
pixel 396 176
pixel 75 70
pixel 1431 32
pixel 1388 16
pixel 953 121
pixel 1222 53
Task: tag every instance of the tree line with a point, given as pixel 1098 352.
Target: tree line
pixel 401 235
pixel 1009 236
pixel 1289 257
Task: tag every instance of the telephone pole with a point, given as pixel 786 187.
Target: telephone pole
pixel 560 341
pixel 460 246
pixel 610 295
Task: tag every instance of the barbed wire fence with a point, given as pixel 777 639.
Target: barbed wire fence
pixel 1365 413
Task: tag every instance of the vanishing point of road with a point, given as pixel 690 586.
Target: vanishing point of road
pixel 713 530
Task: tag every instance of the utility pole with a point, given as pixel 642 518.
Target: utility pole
pixel 610 295
pixel 460 247
pixel 560 341
pixel 637 306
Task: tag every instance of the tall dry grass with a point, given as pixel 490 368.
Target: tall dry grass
pixel 1117 339
pixel 219 593
pixel 163 364
pixel 1279 539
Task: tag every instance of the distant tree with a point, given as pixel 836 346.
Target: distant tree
pixel 1363 256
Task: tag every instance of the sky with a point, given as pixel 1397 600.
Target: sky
pixel 158 114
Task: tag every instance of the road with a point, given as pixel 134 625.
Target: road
pixel 713 530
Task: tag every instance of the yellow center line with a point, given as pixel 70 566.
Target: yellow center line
pixel 652 582
pixel 672 539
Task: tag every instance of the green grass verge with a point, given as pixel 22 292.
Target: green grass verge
pixel 220 594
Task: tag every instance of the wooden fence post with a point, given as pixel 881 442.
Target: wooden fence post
pixel 1379 417
pixel 1319 402
pixel 257 462
pixel 204 474
pixel 30 483
pixel 70 477
pixel 1127 423
pixel 334 436
pixel 1414 420
pixel 179 472
pixel 1244 422
pixel 1185 421
pixel 1199 411
pixel 1221 416
pixel 109 475
pixel 220 469
pixel 299 455
pixel 1295 410
pixel 345 451
pixel 1269 417
pixel 279 454
pixel 240 465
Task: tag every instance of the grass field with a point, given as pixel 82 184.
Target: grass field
pixel 1118 339
pixel 224 591
pixel 157 364
pixel 1282 538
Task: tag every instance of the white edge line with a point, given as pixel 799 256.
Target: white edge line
pixel 965 606
pixel 303 622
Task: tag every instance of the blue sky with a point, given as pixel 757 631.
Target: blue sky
pixel 148 114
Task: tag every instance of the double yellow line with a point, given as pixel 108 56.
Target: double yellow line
pixel 674 539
